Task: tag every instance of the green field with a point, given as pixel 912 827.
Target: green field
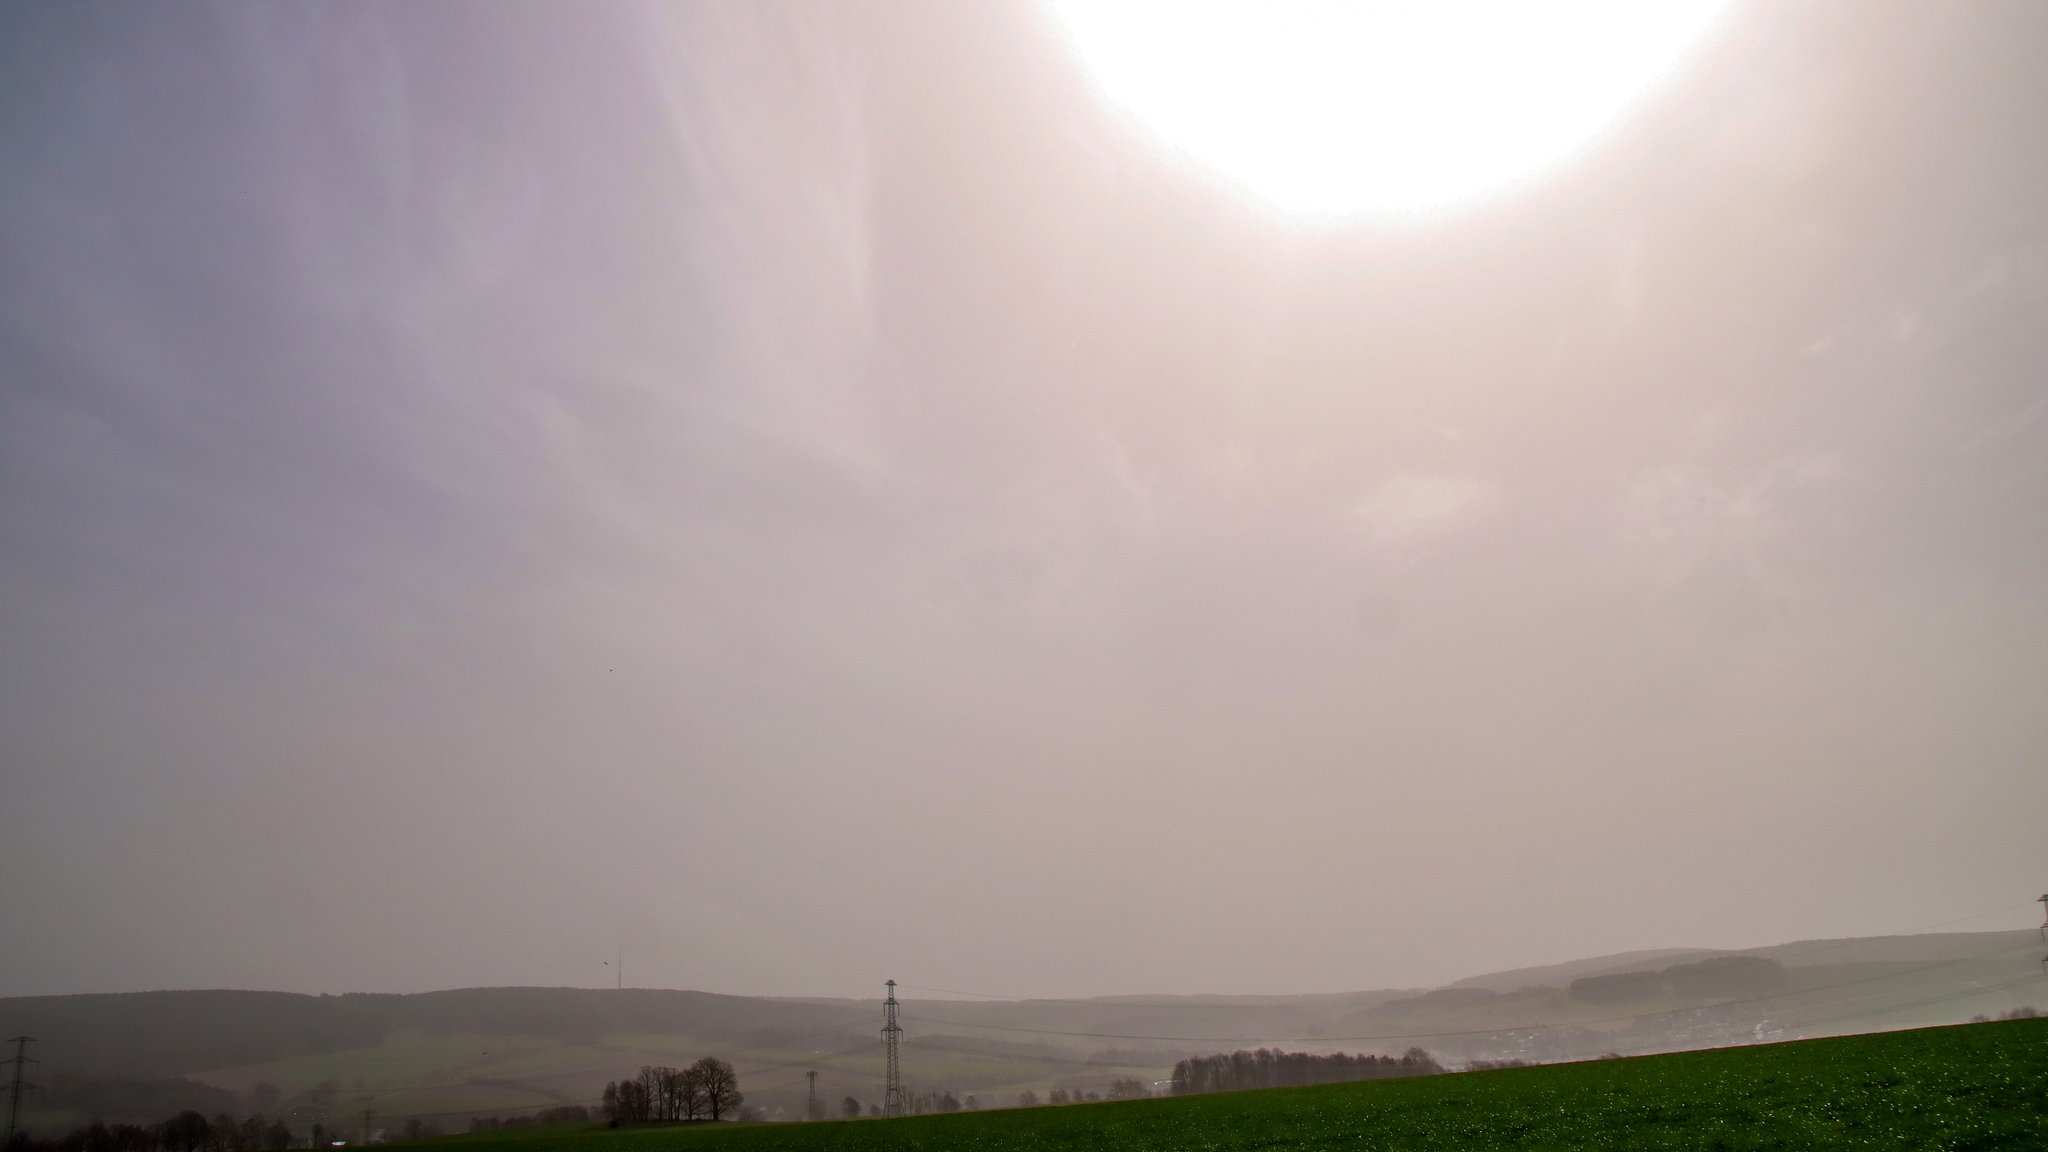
pixel 1977 1086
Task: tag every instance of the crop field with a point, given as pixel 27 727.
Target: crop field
pixel 1978 1086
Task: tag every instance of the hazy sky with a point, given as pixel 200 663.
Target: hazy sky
pixel 807 494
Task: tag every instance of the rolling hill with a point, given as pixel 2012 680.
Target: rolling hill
pixel 447 1056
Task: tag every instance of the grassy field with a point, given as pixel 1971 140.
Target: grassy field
pixel 1978 1086
pixel 449 1078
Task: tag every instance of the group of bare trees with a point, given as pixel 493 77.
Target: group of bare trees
pixel 184 1132
pixel 1267 1068
pixel 706 1090
pixel 1131 1088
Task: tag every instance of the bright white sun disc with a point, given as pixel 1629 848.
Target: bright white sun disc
pixel 1328 107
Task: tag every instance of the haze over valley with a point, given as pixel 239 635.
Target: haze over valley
pixel 540 542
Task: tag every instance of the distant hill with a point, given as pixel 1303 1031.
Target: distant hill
pixel 1921 948
pixel 1927 947
pixel 1549 975
pixel 156 1034
pixel 454 1054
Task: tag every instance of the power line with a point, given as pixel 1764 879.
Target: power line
pixel 867 1047
pixel 808 1060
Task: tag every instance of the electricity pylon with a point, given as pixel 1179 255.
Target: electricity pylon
pixel 892 1090
pixel 21 1063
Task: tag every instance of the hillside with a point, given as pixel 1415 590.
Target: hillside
pixel 451 1055
pixel 1920 948
pixel 1969 1087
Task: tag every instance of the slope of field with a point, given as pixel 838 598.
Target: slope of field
pixel 1978 1086
pixel 1831 988
pixel 1922 948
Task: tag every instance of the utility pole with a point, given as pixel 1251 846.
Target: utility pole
pixel 892 1091
pixel 811 1109
pixel 367 1113
pixel 15 1089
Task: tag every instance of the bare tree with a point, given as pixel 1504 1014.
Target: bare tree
pixel 186 1132
pixel 626 1102
pixel 720 1084
pixel 674 1090
pixel 1129 1089
pixel 690 1092
pixel 654 1090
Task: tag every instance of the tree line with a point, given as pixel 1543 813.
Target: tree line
pixel 1126 1089
pixel 559 1114
pixel 706 1090
pixel 1266 1068
pixel 191 1131
pixel 941 1100
pixel 187 1131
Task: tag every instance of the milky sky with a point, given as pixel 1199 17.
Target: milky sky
pixel 807 494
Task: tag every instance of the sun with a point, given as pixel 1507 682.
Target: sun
pixel 1332 108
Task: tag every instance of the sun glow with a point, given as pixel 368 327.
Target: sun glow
pixel 1327 107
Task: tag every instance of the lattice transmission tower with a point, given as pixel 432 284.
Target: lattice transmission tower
pixel 892 1090
pixel 19 1082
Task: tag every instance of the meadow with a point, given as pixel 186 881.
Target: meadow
pixel 1976 1086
